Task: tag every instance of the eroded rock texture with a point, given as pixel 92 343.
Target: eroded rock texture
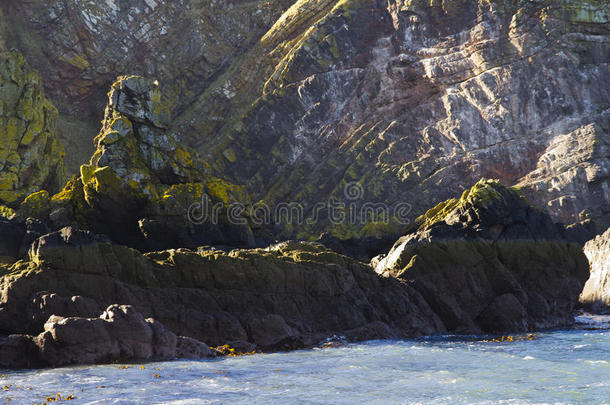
pixel 487 262
pixel 120 333
pixel 141 181
pixel 31 155
pixel 82 46
pixel 490 262
pixel 286 296
pixel 596 293
pixel 416 100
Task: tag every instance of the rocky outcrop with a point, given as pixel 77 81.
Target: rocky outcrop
pixel 486 262
pixel 141 183
pixel 81 47
pixel 286 296
pixel 413 100
pixel 416 100
pixel 31 155
pixel 596 293
pixel 489 262
pixel 119 334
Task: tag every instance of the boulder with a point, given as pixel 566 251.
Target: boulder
pixel 596 293
pixel 490 262
pixel 189 348
pixel 19 352
pixel 119 334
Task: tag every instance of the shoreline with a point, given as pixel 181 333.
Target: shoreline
pixel 597 322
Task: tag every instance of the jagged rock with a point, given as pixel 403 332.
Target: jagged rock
pixel 141 183
pixel 596 293
pixel 290 295
pixel 488 262
pixel 487 211
pixel 120 333
pixel 186 45
pixel 470 265
pixel 572 174
pixel 31 156
pixel 189 348
pixel 414 100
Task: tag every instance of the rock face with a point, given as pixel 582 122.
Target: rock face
pixel 31 156
pixel 141 182
pixel 414 100
pixel 397 103
pixel 119 334
pixel 186 44
pixel 596 294
pixel 488 262
pixel 286 296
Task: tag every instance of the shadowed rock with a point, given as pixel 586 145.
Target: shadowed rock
pixel 596 293
pixel 489 262
pixel 119 334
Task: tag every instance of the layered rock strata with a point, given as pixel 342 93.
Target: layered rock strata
pixel 141 182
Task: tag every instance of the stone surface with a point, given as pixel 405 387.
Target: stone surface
pixel 489 262
pixel 81 47
pixel 286 296
pixel 475 267
pixel 414 100
pixel 596 293
pixel 141 182
pixel 119 334
pixel 31 155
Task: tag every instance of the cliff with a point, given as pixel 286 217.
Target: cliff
pixel 414 100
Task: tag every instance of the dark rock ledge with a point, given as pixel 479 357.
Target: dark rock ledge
pixel 484 263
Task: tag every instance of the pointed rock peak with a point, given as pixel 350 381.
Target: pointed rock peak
pixel 135 141
pixel 140 100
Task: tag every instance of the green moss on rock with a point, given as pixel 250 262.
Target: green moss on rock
pixel 31 155
pixel 479 198
pixel 36 205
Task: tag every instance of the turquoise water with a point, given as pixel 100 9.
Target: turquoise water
pixel 556 367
